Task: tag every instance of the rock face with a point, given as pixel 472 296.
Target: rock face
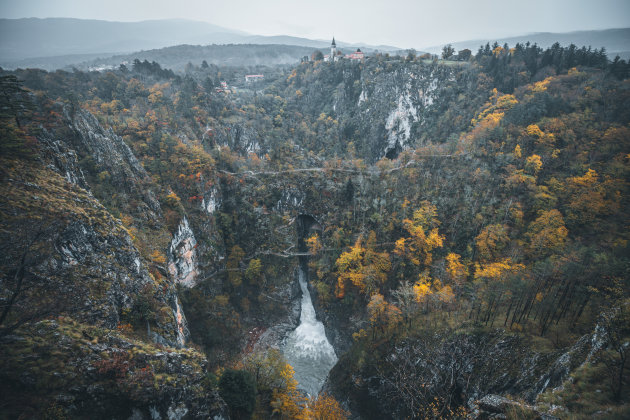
pixel 105 147
pixel 242 138
pixel 63 159
pixel 474 369
pixel 74 340
pixel 182 255
pixel 84 372
pixel 110 157
pixel 211 201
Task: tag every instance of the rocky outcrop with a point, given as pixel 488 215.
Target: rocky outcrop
pixel 105 147
pixel 472 370
pixel 242 138
pixel 182 255
pixel 64 256
pixel 81 371
pixel 109 156
pixel 211 201
pixel 63 160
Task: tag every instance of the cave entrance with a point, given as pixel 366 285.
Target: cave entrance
pixel 393 153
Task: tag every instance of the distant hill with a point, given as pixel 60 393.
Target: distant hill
pixel 177 57
pixel 616 41
pixel 60 42
pixel 28 38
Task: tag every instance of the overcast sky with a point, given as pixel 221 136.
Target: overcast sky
pixel 401 23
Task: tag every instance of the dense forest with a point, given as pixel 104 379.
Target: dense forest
pixel 463 222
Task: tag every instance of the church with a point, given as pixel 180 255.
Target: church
pixel 336 55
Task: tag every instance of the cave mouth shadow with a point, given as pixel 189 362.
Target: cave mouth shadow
pixel 306 226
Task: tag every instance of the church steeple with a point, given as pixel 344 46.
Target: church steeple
pixel 333 43
pixel 333 50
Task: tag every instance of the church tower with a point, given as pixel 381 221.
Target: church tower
pixel 333 50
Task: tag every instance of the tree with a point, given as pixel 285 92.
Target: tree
pixel 317 56
pixel 491 241
pixel 238 390
pixel 424 236
pixel 456 271
pixel 253 271
pixel 233 265
pixel 288 401
pixel 406 300
pixel 27 294
pixel 314 244
pixel 350 268
pixel 447 51
pixel 383 315
pixel 547 233
pixel 364 267
pixel 533 164
pixel 464 55
pixel 325 407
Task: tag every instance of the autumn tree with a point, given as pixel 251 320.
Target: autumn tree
pixel 586 198
pixel 325 407
pixel 491 241
pixel 288 402
pixel 456 271
pixel 383 315
pixel 364 267
pixel 491 281
pixel 314 244
pixel 547 234
pixel 423 236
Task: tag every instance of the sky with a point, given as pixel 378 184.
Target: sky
pixel 400 23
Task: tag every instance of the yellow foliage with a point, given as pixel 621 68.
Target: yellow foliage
pixel 289 402
pixel 534 131
pixel 541 86
pixel 158 257
pixel 365 268
pixel 547 233
pixel 325 407
pixel 422 288
pixel 417 248
pixel 491 241
pixel 455 269
pixel 445 293
pixel 517 151
pixel 496 271
pixel 382 314
pixel 314 245
pixel 587 197
pixel 533 164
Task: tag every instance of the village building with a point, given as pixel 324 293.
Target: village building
pixel 336 55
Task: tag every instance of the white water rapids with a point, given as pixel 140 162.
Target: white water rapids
pixel 307 349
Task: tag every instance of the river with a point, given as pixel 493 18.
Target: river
pixel 306 348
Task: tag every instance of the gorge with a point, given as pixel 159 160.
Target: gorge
pixel 413 237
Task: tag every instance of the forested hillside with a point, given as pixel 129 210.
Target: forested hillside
pixel 464 225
